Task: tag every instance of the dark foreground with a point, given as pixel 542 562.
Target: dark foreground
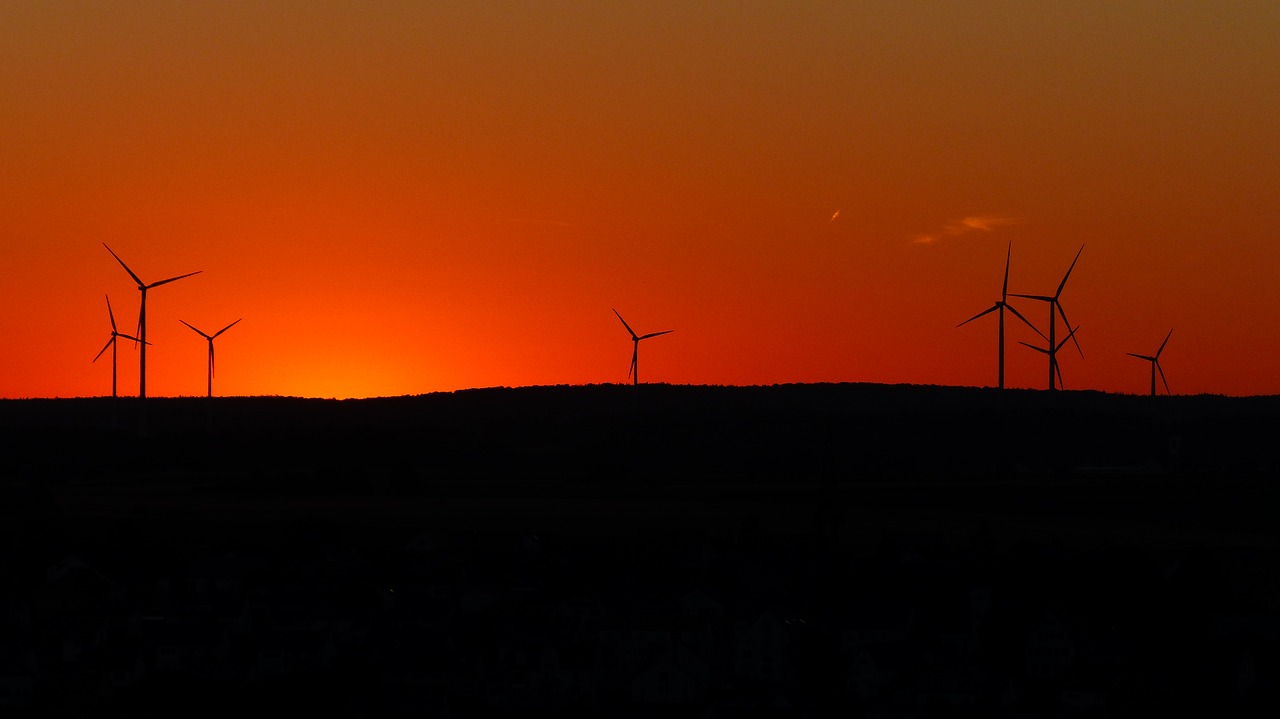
pixel 817 550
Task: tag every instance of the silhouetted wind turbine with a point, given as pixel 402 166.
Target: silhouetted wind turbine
pixel 142 317
pixel 112 344
pixel 1002 304
pixel 210 338
pixel 634 372
pixel 1055 309
pixel 1057 370
pixel 1155 365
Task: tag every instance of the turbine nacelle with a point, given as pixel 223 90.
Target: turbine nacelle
pixel 633 372
pixel 142 316
pixel 215 334
pixel 112 344
pixel 1001 305
pixel 1054 367
pixel 1155 365
pixel 1070 336
pixel 209 338
pixel 1055 311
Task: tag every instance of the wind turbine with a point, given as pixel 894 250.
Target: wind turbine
pixel 210 338
pixel 634 372
pixel 1057 370
pixel 142 317
pixel 112 344
pixel 1002 304
pixel 1054 304
pixel 1155 365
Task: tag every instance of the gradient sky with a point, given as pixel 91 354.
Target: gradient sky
pixel 408 197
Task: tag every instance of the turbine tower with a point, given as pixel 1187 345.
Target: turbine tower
pixel 210 339
pixel 142 317
pixel 1001 305
pixel 1155 365
pixel 1055 309
pixel 634 372
pixel 112 344
pixel 1057 370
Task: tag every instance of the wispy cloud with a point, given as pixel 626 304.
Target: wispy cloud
pixel 964 226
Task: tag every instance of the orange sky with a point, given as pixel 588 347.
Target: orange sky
pixel 407 197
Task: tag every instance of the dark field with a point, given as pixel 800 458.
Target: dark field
pixel 801 550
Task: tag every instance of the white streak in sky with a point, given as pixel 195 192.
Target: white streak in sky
pixel 964 226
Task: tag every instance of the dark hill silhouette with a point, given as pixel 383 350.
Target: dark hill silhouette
pixel 623 550
pixel 863 431
pixel 781 443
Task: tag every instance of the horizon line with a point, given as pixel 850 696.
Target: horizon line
pixel 127 398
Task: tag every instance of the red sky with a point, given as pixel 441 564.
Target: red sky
pixel 408 197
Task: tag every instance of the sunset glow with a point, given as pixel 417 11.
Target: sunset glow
pixel 406 197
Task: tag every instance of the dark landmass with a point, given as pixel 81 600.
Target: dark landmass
pixel 793 550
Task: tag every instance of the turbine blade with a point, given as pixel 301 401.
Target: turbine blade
pixel 1037 349
pixel 112 315
pixel 654 334
pixel 173 279
pixel 126 267
pixel 104 348
pixel 1166 341
pixel 1072 336
pixel 624 324
pixel 1063 283
pixel 210 358
pixel 1162 379
pixel 635 353
pixel 224 329
pixel 135 339
pixel 1042 298
pixel 1025 321
pixel 1142 357
pixel 1004 291
pixel 142 312
pixel 989 310
pixel 195 330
